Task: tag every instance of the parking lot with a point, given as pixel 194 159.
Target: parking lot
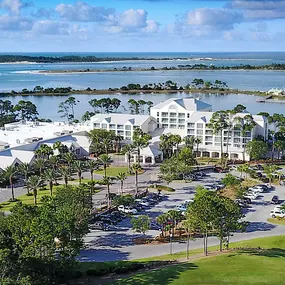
pixel 119 239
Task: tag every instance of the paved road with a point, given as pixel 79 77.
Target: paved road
pixel 118 244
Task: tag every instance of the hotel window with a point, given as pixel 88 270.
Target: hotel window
pixel 199 132
pixel 209 132
pixel 191 131
pixel 164 120
pixel 172 126
pixel 237 134
pixel 128 127
pixel 104 126
pixel 173 115
pixel 200 126
pixel 128 133
pixel 217 139
pixel 120 127
pixel 163 114
pixel 209 138
pixel 181 127
pixel 165 126
pixel 96 126
pixel 181 121
pixel 208 143
pixel 181 115
pixel 191 125
pixel 173 121
pixel 157 114
pixel 112 127
pixel 136 127
pixel 121 133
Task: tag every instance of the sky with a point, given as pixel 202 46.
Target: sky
pixel 141 25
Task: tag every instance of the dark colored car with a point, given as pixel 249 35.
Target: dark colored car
pixel 221 170
pixel 275 199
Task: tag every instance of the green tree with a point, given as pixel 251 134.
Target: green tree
pixel 79 167
pixel 141 224
pixel 245 125
pixel 270 170
pixel 174 216
pixel 122 176
pixel 65 174
pixel 10 173
pixel 107 180
pixel 50 177
pixel 162 220
pixel 257 149
pixel 92 165
pixel 125 200
pixel 128 150
pixel 26 110
pixel 34 183
pixel 106 161
pixel 230 180
pixel 25 169
pixel 218 123
pixel 39 164
pixel 136 168
pixel 140 141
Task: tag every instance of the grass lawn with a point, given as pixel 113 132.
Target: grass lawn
pixel 235 268
pixel 276 221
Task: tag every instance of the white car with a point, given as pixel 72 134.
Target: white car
pixel 127 209
pixel 181 207
pixel 256 189
pixel 251 196
pixel 189 201
pixel 142 202
pixel 278 207
pixel 279 214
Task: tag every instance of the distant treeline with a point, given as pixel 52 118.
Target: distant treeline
pixel 69 58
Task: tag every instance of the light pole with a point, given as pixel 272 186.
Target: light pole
pixel 170 240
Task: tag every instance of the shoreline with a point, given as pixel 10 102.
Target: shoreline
pixel 136 92
pixel 91 71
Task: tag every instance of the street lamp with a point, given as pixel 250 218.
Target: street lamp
pixel 170 240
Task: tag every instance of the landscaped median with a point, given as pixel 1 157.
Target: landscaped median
pixel 256 261
pixel 277 221
pixel 159 187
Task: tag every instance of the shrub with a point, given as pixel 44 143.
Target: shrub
pixel 29 194
pixel 162 188
pixel 13 200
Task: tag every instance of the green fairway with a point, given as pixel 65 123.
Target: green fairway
pixel 242 267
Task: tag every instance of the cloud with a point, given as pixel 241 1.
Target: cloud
pixel 214 18
pixel 83 12
pixel 14 6
pixel 43 13
pixel 14 23
pixel 259 9
pixel 131 21
pixel 48 27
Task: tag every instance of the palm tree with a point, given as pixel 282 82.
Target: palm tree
pixel 107 180
pixel 78 165
pixel 244 168
pixel 245 124
pixel 50 177
pixel 69 158
pixel 39 165
pixel 162 220
pixel 65 173
pixel 270 170
pixel 53 162
pixel 174 216
pixel 106 161
pixel 25 169
pixel 118 140
pixel 197 141
pixel 122 176
pixel 92 165
pixel 176 139
pixel 34 183
pixel 140 141
pixel 128 150
pixel 10 173
pixel 136 167
pixel 189 142
pixel 106 143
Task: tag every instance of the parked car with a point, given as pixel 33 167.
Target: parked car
pixel 251 196
pixel 181 207
pixel 278 207
pixel 127 209
pixel 275 200
pixel 142 202
pixel 221 170
pixel 279 214
pixel 155 226
pixel 99 226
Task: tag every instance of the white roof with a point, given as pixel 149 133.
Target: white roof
pixel 6 161
pixel 151 150
pixel 189 104
pixel 121 119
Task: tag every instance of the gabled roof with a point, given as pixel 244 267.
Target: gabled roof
pixel 151 150
pixel 120 119
pixel 189 104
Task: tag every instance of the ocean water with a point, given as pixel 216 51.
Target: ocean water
pixel 19 76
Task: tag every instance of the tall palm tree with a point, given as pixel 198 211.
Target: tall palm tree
pixel 79 166
pixel 69 158
pixel 53 162
pixel 174 216
pixel 176 141
pixel 107 180
pixel 34 183
pixel 136 167
pixel 122 176
pixel 189 142
pixel 128 150
pixel 197 142
pixel 140 141
pixel 9 173
pixel 92 165
pixel 106 143
pixel 118 140
pixel 25 169
pixel 39 165
pixel 106 161
pixel 65 173
pixel 50 177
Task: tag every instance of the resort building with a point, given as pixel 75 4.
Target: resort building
pixel 122 124
pixel 183 116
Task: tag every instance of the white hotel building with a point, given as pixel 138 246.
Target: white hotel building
pixel 186 117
